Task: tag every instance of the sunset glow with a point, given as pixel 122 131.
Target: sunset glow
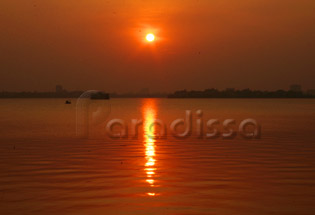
pixel 150 37
pixel 149 114
pixel 157 107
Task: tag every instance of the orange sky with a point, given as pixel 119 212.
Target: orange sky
pixel 200 44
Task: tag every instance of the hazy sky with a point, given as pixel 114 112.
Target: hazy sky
pixel 99 44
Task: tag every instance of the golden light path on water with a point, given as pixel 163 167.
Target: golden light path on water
pixel 149 115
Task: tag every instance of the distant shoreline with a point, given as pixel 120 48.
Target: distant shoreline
pixel 239 94
pixel 308 98
pixel 183 94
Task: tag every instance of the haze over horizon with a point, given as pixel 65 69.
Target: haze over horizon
pixel 199 44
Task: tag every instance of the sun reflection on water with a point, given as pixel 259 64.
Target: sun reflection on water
pixel 149 115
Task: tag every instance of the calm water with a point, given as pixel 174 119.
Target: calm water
pixel 45 169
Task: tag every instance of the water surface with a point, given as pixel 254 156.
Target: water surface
pixel 45 169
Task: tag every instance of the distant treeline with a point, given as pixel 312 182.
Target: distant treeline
pixel 74 94
pixel 139 95
pixel 246 93
pixel 208 93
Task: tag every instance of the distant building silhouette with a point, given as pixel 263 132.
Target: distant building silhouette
pixel 295 88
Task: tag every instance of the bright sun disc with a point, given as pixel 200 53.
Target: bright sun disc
pixel 150 37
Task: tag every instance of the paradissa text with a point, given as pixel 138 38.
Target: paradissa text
pixel 248 128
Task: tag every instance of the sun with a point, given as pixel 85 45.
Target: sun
pixel 150 37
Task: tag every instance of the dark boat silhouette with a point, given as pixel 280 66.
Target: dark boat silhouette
pixel 68 102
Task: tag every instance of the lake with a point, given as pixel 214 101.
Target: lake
pixel 46 169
